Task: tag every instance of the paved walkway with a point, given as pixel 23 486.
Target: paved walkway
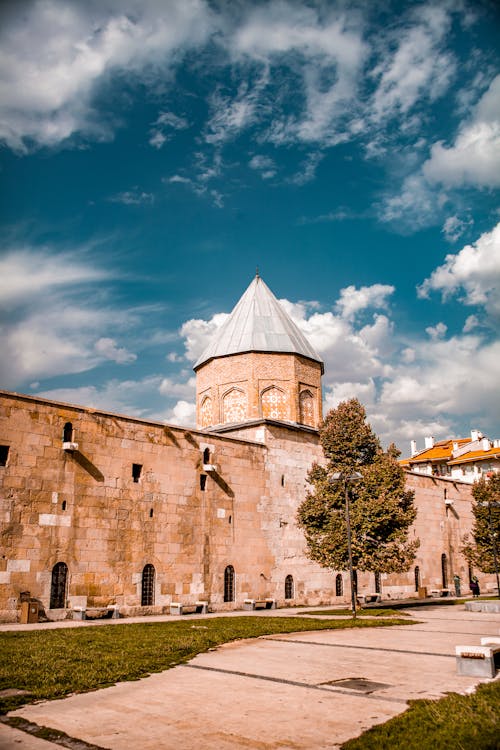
pixel 296 691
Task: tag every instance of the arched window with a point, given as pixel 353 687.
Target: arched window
pixel 274 403
pixel 289 587
pixel 417 578
pixel 59 586
pixel 68 433
pixel 229 584
pixel 444 572
pixel 234 406
pixel 339 585
pixel 206 456
pixel 148 586
pixel 306 408
pixel 206 412
pixel 377 582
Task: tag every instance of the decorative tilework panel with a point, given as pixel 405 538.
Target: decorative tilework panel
pixel 274 404
pixel 306 408
pixel 206 412
pixel 234 405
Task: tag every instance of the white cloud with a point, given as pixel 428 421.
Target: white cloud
pixel 436 332
pixel 307 171
pixel 231 115
pixel 471 323
pixel 183 413
pixel 418 68
pixel 120 396
pixel 179 179
pixel 197 334
pixel 414 206
pixel 474 272
pixel 25 273
pixel 455 376
pixel 108 349
pixel 353 300
pixel 161 130
pixel 474 158
pixel 263 164
pixel 54 57
pixel 186 388
pixel 331 51
pixel 454 228
pixel 57 306
pixel 134 197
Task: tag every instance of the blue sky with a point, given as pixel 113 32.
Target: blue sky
pixel 154 153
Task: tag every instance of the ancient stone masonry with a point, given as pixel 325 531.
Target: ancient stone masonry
pixel 100 509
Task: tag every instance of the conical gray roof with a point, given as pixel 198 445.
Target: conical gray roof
pixel 258 323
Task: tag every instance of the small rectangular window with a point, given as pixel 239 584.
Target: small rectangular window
pixel 203 482
pixel 4 455
pixel 136 472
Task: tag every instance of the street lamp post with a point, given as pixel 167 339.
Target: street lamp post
pixel 340 477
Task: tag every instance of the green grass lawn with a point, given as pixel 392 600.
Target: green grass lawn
pixel 456 722
pixel 53 663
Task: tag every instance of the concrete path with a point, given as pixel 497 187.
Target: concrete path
pixel 297 691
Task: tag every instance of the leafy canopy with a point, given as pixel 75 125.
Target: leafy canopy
pixel 381 509
pixel 478 550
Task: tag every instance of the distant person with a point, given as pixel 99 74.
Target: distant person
pixel 456 581
pixel 474 587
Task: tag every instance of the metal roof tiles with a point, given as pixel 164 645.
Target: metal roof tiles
pixel 258 323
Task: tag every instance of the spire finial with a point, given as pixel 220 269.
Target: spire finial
pixel 257 273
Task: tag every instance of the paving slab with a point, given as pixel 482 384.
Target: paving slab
pixel 14 739
pixel 299 691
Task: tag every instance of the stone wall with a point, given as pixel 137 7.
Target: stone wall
pixel 80 506
pixel 83 507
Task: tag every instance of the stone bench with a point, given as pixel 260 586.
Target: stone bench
pixel 251 604
pixel 478 661
pixel 369 598
pixel 198 608
pixel 96 613
pixel 436 593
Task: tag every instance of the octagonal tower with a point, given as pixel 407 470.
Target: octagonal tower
pixel 258 366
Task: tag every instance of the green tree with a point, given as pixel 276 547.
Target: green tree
pixel 479 547
pixel 381 509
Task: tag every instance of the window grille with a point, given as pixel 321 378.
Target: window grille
pixel 339 585
pixel 377 582
pixel 58 586
pixel 148 586
pixel 229 584
pixel 417 578
pixel 289 587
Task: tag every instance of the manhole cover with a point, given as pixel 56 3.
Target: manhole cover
pixel 360 684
